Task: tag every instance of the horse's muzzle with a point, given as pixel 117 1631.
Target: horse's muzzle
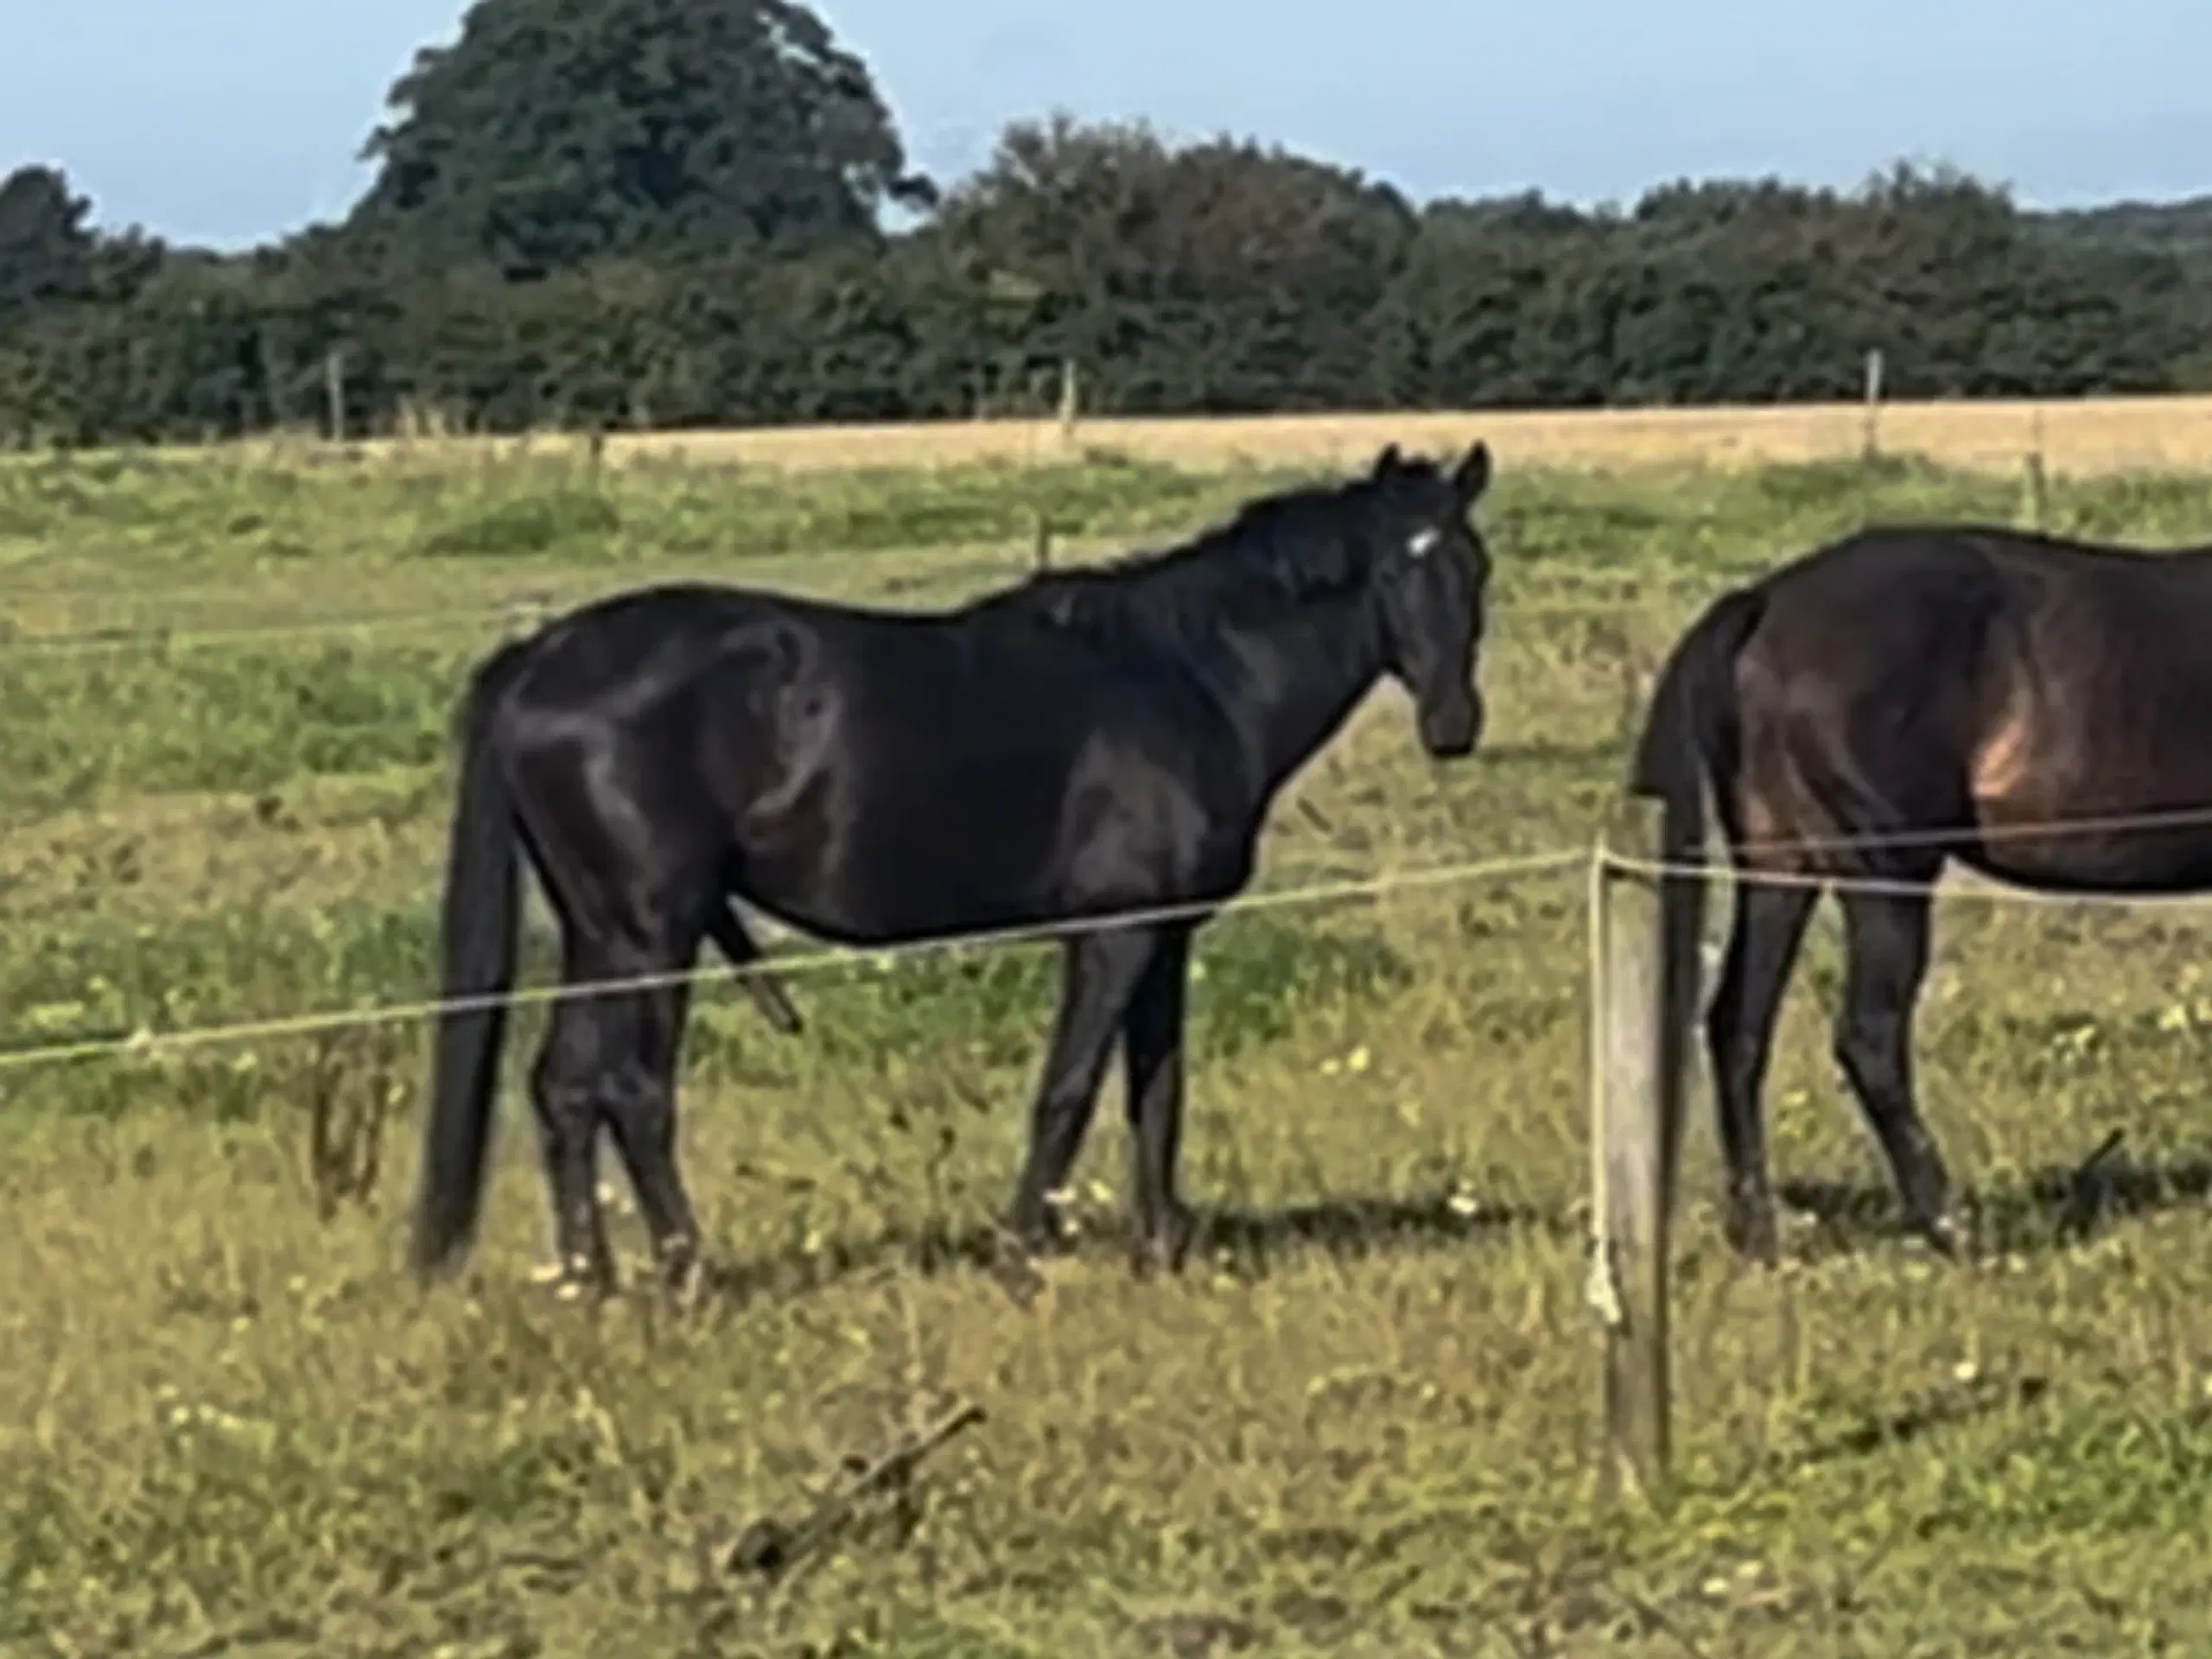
pixel 1452 731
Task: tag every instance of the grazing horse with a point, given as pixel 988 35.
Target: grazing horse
pixel 1082 744
pixel 2036 707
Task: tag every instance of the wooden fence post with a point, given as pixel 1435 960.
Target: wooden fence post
pixel 1871 443
pixel 527 613
pixel 1635 1138
pixel 1071 403
pixel 2038 475
pixel 333 393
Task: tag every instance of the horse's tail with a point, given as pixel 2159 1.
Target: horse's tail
pixel 478 948
pixel 1691 734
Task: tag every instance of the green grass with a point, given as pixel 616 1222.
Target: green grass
pixel 1360 1424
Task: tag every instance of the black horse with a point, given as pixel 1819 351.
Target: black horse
pixel 2036 707
pixel 1083 744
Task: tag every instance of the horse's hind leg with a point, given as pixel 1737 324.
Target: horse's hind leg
pixel 564 1088
pixel 640 1106
pixel 632 909
pixel 1763 945
pixel 610 1061
pixel 1886 938
pixel 1102 974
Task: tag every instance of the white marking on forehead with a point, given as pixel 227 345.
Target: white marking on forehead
pixel 1423 540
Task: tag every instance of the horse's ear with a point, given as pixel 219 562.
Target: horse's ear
pixel 1388 463
pixel 1471 477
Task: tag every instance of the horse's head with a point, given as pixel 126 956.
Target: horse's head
pixel 1431 574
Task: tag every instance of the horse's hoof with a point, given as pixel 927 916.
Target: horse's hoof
pixel 1165 1245
pixel 1038 1230
pixel 682 1281
pixel 1014 1267
pixel 1155 1256
pixel 1941 1233
pixel 1753 1233
pixel 572 1288
pixel 576 1280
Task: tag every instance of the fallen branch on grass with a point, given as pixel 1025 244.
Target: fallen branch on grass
pixel 770 1548
pixel 2085 1197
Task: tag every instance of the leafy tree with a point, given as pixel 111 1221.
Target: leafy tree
pixel 1214 276
pixel 1218 275
pixel 1481 314
pixel 556 131
pixel 46 251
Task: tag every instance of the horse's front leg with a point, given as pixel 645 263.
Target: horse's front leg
pixel 1103 971
pixel 1152 1036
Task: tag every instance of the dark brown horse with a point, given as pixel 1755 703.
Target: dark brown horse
pixel 2038 708
pixel 1079 747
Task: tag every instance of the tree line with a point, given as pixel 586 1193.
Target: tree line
pixel 660 213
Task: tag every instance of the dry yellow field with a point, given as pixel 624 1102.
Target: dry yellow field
pixel 2080 437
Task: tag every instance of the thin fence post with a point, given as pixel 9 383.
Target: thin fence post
pixel 1632 1147
pixel 2038 475
pixel 527 613
pixel 333 393
pixel 1873 441
pixel 1871 444
pixel 1070 402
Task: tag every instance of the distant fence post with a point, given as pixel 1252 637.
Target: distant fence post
pixel 527 613
pixel 2038 474
pixel 1633 1148
pixel 1070 402
pixel 1871 447
pixel 333 393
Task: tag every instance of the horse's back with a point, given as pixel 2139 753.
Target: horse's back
pixel 883 774
pixel 1880 619
pixel 1895 611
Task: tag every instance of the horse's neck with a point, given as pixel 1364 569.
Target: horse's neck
pixel 1290 685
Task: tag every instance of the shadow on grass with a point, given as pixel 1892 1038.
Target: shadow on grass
pixel 1348 1228
pixel 1248 1243
pixel 1545 752
pixel 1966 1401
pixel 2051 1209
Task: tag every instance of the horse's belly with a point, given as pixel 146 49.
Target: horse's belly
pixel 2172 861
pixel 2069 803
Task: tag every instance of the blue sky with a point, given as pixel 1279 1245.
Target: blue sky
pixel 227 121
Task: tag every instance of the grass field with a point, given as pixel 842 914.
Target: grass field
pixel 1359 1425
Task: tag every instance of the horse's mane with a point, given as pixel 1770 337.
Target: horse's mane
pixel 1278 553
